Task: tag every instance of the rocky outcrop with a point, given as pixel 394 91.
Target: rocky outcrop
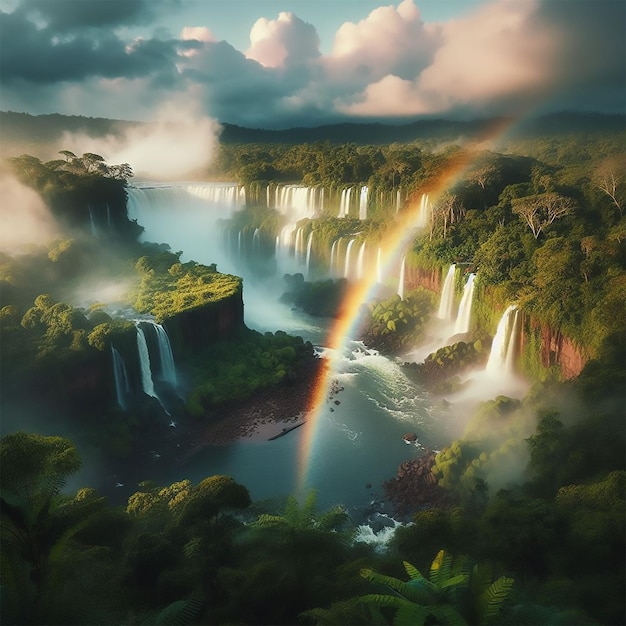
pixel 415 487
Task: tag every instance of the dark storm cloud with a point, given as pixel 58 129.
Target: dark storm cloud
pixel 62 16
pixel 39 56
pixel 592 59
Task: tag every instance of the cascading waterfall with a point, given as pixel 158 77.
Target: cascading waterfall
pixel 333 255
pixel 360 260
pixel 401 279
pixel 298 200
pixel 256 241
pixel 379 270
pixel 299 246
pixel 346 270
pixel 397 201
pixel 309 246
pixel 504 346
pixel 168 368
pixel 363 204
pixel 424 212
pixel 344 204
pixel 147 383
pixel 122 386
pixel 463 317
pixel 92 221
pixel 446 304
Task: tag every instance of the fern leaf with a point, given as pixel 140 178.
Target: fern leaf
pixel 181 612
pixel 412 571
pixel 411 615
pixel 441 568
pixel 384 600
pixel 317 616
pixel 447 614
pixel 454 581
pixel 480 580
pixel 492 598
pixel 415 590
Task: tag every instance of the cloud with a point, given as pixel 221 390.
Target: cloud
pixel 503 57
pixel 25 220
pixel 499 52
pixel 286 41
pixel 62 16
pixel 179 143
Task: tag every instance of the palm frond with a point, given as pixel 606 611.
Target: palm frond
pixel 441 568
pixel 418 591
pixel 447 614
pixel 491 600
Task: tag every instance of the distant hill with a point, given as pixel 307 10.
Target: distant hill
pixel 41 135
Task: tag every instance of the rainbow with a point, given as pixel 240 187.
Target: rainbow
pixel 394 244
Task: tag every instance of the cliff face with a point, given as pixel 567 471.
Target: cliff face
pixel 192 330
pixel 556 349
pixel 419 277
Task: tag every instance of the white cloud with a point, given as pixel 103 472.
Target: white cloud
pixel 284 41
pixel 497 53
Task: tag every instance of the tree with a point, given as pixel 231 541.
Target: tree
pixel 609 178
pixel 540 210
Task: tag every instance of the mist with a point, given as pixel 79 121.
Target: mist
pixel 25 218
pixel 180 144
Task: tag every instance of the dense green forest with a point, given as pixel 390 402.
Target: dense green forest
pixel 530 526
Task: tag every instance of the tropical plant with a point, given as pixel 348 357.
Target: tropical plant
pixel 456 592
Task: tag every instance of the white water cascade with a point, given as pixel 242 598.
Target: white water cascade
pixel 424 212
pixel 147 383
pixel 363 204
pixel 344 203
pixel 463 317
pixel 122 386
pixel 168 368
pixel 401 279
pixel 504 346
pixel 346 270
pixel 446 304
pixel 309 246
pixel 299 201
pixel 333 256
pixel 360 262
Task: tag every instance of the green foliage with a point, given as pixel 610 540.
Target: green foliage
pixel 231 370
pixel 169 287
pixel 395 325
pixel 457 592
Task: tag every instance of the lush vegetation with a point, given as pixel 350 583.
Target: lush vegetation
pixel 169 287
pixel 535 509
pixel 230 371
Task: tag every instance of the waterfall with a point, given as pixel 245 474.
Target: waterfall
pixel 424 211
pixel 344 206
pixel 168 369
pixel 346 271
pixel 463 318
pixel 92 221
pixel 360 261
pixel 333 254
pixel 504 346
pixel 256 241
pixel 144 361
pixel 299 247
pixel 446 303
pixel 298 200
pixel 122 386
pixel 363 204
pixel 379 270
pixel 309 245
pixel 397 201
pixel 401 279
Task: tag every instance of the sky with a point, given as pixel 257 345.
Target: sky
pixel 285 63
